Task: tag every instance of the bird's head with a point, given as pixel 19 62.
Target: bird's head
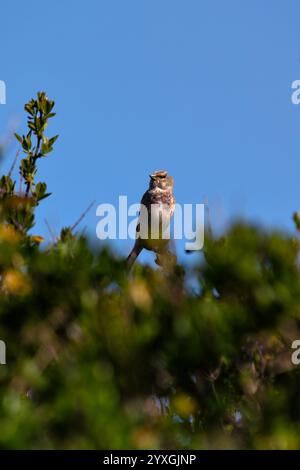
pixel 160 179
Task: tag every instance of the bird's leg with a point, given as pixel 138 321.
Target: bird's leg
pixel 165 257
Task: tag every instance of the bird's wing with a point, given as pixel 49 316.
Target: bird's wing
pixel 146 201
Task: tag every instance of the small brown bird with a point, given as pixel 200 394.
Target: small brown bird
pixel 159 202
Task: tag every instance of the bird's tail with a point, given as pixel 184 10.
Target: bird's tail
pixel 133 255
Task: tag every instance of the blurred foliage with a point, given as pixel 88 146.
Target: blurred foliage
pixel 99 359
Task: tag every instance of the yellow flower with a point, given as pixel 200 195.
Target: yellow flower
pixel 140 295
pixel 184 405
pixel 8 234
pixel 144 438
pixel 15 282
pixel 36 238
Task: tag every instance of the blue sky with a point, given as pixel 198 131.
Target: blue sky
pixel 199 87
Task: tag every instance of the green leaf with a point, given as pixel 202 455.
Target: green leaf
pixel 17 136
pixel 53 139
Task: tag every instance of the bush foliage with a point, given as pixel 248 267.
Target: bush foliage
pixel 100 359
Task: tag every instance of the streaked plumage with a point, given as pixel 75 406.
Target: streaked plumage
pixel 160 194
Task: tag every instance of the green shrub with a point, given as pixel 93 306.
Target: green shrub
pixel 97 358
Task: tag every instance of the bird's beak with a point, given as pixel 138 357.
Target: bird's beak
pixel 152 177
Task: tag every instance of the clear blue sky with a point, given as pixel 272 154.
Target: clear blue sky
pixel 199 87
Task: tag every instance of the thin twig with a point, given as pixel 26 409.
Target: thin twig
pixel 51 231
pixel 82 216
pixel 14 163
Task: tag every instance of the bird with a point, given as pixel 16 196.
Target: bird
pixel 157 208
